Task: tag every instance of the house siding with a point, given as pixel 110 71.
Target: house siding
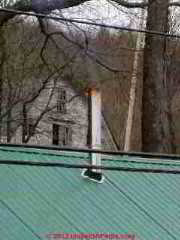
pixel 76 117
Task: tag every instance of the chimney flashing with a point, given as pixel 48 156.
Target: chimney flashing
pixel 93 176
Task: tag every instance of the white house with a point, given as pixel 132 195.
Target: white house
pixel 59 116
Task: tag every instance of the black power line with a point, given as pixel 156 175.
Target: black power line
pixel 86 166
pixel 71 20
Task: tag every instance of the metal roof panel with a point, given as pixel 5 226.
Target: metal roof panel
pixel 35 201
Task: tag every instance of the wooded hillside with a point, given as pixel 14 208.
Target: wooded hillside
pixel 33 58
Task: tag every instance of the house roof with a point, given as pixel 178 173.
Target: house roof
pixel 36 201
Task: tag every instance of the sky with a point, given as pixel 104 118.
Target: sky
pixel 102 11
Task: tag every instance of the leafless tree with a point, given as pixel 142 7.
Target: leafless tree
pixel 156 129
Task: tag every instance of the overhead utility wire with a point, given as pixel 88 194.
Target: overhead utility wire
pixel 70 20
pixel 86 166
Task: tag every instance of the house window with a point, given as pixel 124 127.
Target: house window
pixel 55 134
pixel 62 135
pixel 29 129
pixel 61 101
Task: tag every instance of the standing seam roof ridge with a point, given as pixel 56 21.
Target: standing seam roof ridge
pixel 60 154
pixel 145 161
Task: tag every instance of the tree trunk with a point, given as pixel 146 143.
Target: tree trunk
pixel 156 126
pixel 9 115
pixel 2 60
pixel 133 87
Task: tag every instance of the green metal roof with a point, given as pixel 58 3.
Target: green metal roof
pixel 35 201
